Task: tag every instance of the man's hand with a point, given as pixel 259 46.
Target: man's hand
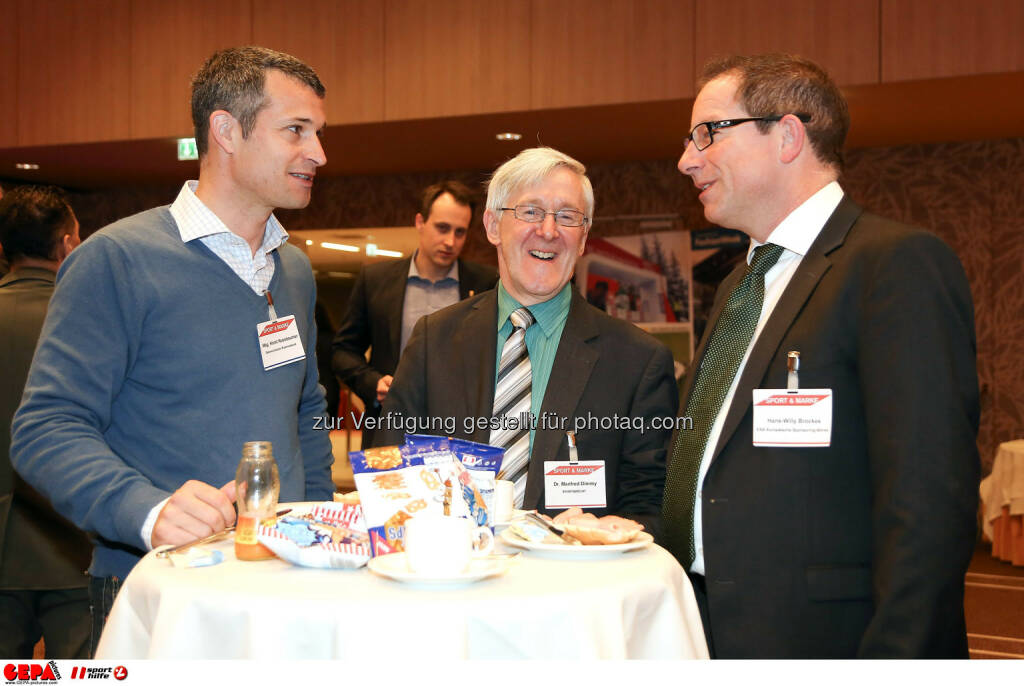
pixel 383 386
pixel 195 510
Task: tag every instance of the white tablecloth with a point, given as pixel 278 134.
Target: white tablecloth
pixel 634 605
pixel 1004 487
pixel 1002 497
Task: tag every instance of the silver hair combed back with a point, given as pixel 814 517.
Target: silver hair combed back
pixel 529 168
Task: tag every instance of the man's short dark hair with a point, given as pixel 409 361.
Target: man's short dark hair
pixel 233 80
pixel 33 220
pixel 459 191
pixel 789 84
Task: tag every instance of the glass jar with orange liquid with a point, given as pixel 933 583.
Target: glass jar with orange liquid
pixel 258 486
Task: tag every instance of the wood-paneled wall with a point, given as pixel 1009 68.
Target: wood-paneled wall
pixel 9 77
pixel 455 57
pixel 99 70
pixel 924 39
pixel 842 36
pixel 73 75
pixel 344 41
pixel 357 91
pixel 169 42
pixel 596 52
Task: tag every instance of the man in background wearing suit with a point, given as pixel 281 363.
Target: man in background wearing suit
pixel 858 547
pixel 534 345
pixel 390 297
pixel 44 592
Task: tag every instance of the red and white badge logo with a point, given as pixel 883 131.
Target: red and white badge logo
pixel 276 327
pixel 573 470
pixel 785 400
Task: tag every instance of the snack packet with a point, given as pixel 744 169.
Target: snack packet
pixel 483 463
pixel 331 536
pixel 464 490
pixel 451 457
pixel 435 451
pixel 392 488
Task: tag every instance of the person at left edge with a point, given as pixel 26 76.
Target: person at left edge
pixel 149 377
pixel 44 592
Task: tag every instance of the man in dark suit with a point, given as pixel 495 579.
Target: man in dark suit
pixel 858 546
pixel 43 557
pixel 390 297
pixel 570 365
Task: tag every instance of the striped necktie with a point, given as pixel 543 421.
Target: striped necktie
pixel 722 357
pixel 512 399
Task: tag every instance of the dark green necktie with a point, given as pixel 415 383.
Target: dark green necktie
pixel 722 357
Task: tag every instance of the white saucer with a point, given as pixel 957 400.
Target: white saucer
pixel 579 552
pixel 395 566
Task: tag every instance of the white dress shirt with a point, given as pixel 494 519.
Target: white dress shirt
pixel 795 234
pixel 197 221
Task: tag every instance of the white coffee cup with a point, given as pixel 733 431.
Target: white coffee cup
pixel 503 499
pixel 444 546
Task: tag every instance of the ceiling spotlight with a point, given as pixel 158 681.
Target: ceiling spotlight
pixel 309 242
pixel 28 166
pixel 509 136
pixel 339 246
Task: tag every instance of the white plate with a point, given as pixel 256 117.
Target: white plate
pixel 395 566
pixel 581 552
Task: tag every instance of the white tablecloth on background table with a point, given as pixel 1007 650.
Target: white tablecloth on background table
pixel 633 605
pixel 1002 497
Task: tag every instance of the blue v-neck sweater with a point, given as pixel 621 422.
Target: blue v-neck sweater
pixel 148 374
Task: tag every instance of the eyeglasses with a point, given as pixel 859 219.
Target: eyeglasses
pixel 703 134
pixel 531 214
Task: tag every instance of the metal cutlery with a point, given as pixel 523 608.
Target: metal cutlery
pixel 208 539
pixel 550 526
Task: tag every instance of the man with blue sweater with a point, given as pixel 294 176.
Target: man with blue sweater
pixel 150 374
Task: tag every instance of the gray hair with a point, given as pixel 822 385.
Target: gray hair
pixel 529 168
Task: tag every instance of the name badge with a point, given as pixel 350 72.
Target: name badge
pixel 279 342
pixel 792 418
pixel 574 484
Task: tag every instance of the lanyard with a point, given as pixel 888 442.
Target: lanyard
pixel 270 305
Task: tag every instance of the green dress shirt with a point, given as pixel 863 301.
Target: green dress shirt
pixel 542 339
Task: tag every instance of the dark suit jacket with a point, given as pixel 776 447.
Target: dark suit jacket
pixel 373 319
pixel 858 549
pixel 603 367
pixel 39 549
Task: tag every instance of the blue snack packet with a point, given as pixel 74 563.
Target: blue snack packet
pixel 483 463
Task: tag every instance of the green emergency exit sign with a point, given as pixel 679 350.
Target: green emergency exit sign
pixel 187 149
